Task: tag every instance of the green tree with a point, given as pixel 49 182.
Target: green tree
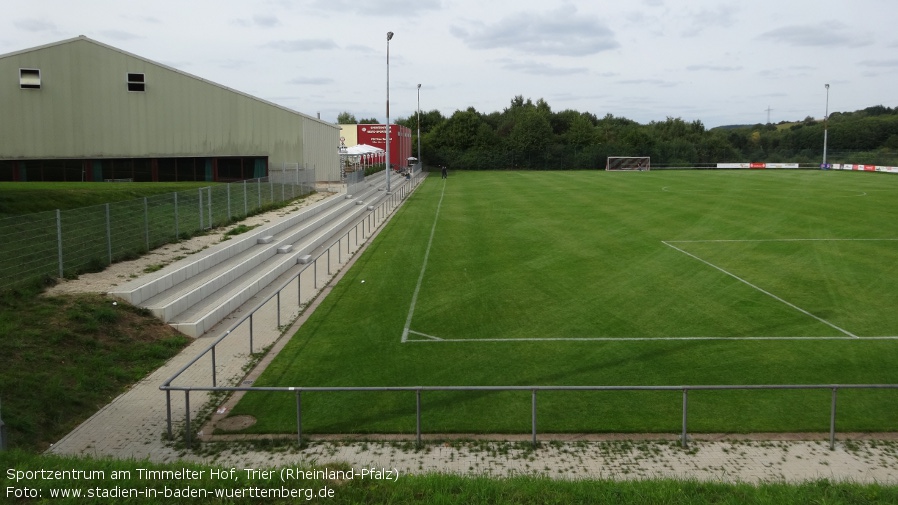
pixel 346 118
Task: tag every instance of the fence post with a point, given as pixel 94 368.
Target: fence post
pixel 683 441
pixel 209 206
pixel 146 222
pixel 418 417
pixel 533 416
pixel 187 418
pixel 298 418
pixel 245 209
pixel 228 220
pixel 214 378
pixel 168 412
pixel 251 334
pixel 108 234
pixel 59 240
pixel 177 227
pixel 832 422
pixel 3 443
pixel 200 190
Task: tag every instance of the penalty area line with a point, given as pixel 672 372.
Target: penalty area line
pixel 632 339
pixel 768 293
pixel 411 309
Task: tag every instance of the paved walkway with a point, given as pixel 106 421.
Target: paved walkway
pixel 133 426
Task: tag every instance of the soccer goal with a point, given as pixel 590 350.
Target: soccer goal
pixel 628 163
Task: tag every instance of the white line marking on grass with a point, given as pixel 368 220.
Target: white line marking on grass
pixel 668 242
pixel 768 293
pixel 636 339
pixel 411 309
pixel 430 338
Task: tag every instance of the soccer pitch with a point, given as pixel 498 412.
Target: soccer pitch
pixel 592 278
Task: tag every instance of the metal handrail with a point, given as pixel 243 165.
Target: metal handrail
pixel 402 194
pixel 533 389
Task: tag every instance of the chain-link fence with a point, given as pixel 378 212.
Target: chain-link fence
pixel 52 244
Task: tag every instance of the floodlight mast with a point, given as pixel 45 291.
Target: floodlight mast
pixel 420 163
pixel 825 127
pixel 389 36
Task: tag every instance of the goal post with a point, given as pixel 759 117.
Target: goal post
pixel 621 163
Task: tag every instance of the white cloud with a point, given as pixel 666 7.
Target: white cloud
pixel 562 32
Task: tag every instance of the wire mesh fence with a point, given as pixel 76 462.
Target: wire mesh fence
pixel 63 243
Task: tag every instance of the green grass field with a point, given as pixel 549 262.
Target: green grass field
pixel 594 278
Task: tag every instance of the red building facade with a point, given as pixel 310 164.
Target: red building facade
pixel 400 141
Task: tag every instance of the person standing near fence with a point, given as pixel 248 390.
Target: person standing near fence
pixel 444 171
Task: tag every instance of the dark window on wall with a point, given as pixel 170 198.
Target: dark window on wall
pixel 29 78
pixel 137 82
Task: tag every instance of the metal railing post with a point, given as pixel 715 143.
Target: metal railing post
pixel 418 417
pixel 683 441
pixel 279 308
pixel 146 222
pixel 832 422
pixel 177 224
pixel 168 413
pixel 109 233
pixel 187 418
pixel 214 377
pixel 3 440
pixel 251 334
pixel 298 418
pixel 533 416
pixel 59 240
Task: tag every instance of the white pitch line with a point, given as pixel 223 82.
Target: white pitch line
pixel 411 309
pixel 740 279
pixel 668 242
pixel 430 338
pixel 638 339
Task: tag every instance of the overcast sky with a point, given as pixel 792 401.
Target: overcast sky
pixel 722 62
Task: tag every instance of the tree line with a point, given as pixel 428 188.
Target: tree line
pixel 530 135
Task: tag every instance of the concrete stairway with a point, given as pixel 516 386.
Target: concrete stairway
pixel 197 292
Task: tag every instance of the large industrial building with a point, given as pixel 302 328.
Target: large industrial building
pixel 80 110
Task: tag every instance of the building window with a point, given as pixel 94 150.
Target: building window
pixel 136 82
pixel 29 78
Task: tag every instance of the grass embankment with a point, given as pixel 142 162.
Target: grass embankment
pixel 27 197
pixel 202 487
pixel 64 357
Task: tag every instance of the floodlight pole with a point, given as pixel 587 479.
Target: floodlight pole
pixel 825 127
pixel 420 163
pixel 389 36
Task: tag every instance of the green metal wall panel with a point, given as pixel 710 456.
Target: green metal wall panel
pixel 84 110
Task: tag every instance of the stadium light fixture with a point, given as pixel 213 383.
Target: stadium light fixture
pixel 389 36
pixel 420 163
pixel 825 128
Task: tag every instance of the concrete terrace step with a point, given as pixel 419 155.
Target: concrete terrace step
pixel 200 317
pixel 196 293
pixel 181 296
pixel 178 272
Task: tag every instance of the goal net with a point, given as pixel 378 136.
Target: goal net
pixel 628 163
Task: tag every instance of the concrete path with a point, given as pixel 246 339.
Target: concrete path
pixel 133 427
